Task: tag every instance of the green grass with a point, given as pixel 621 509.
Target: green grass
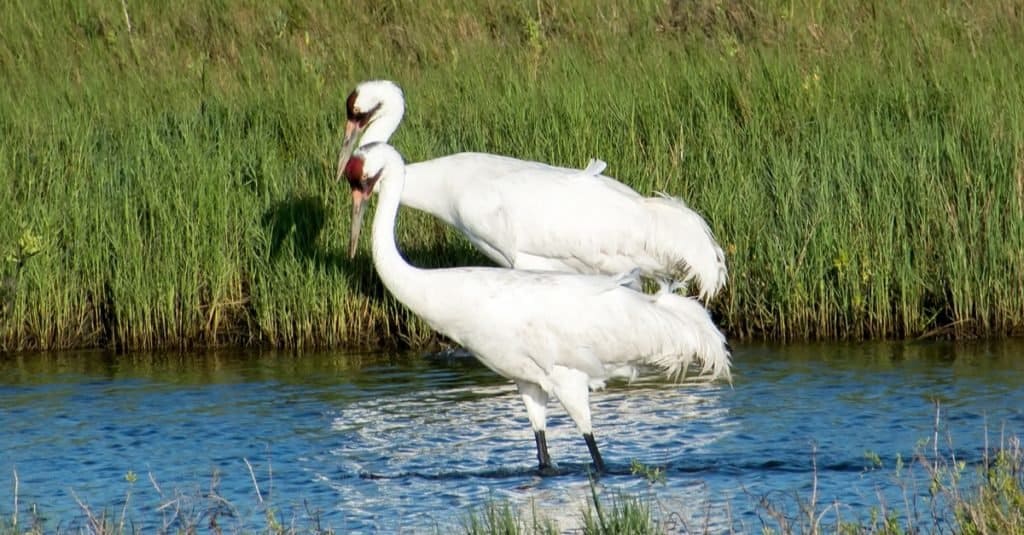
pixel 496 516
pixel 861 163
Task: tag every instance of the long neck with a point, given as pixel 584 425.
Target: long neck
pixel 423 190
pixel 385 122
pixel 406 282
pixel 428 190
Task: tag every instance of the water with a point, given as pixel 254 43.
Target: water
pixel 411 443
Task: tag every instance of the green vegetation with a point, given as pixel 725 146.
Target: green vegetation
pixel 167 180
pixel 620 514
pixel 497 516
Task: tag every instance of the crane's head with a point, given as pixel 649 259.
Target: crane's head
pixel 373 102
pixel 363 171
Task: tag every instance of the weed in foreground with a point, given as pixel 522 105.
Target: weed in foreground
pixel 179 512
pixel 619 514
pixel 499 517
pixel 957 498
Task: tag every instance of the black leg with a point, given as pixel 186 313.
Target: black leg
pixel 542 451
pixel 596 455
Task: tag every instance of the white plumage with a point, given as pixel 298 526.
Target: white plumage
pixel 553 334
pixel 530 215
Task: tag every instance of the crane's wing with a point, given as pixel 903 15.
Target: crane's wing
pixel 584 224
pixel 531 215
pixel 560 318
pixel 487 208
pixel 484 218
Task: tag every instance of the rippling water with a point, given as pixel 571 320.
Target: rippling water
pixel 411 443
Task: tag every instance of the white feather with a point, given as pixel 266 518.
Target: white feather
pixel 530 215
pixel 553 333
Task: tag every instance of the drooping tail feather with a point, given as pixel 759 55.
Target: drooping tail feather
pixel 690 242
pixel 697 342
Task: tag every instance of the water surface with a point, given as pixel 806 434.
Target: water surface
pixel 411 442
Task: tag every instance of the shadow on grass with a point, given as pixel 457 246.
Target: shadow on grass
pixel 297 223
pixel 295 226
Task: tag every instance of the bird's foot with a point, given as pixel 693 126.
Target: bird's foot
pixel 548 471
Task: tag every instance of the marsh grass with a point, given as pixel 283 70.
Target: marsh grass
pixel 618 514
pixel 496 516
pixel 996 503
pixel 861 163
pixel 199 510
pixel 941 493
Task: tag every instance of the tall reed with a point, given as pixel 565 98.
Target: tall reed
pixel 166 171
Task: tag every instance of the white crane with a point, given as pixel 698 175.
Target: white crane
pixel 553 334
pixel 530 215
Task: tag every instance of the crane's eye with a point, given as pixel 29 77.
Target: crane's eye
pixel 361 118
pixel 358 116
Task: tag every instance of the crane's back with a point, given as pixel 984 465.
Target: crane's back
pixel 520 322
pixel 531 215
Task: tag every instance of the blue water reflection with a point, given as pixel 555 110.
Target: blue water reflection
pixel 375 442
